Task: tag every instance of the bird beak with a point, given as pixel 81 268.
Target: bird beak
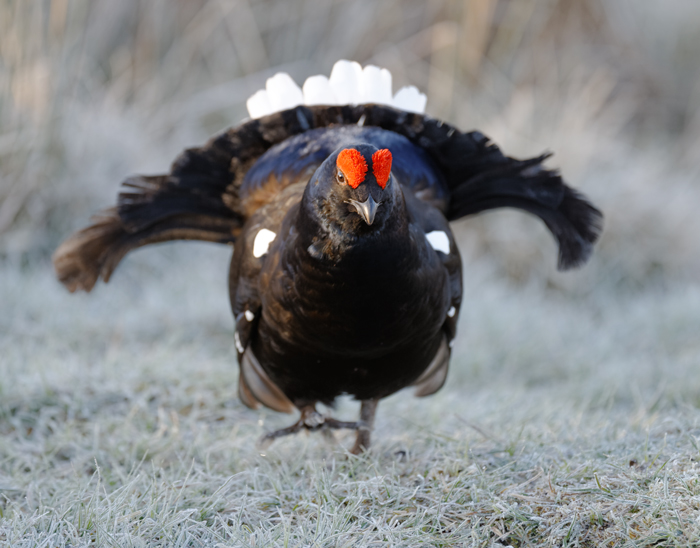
pixel 366 209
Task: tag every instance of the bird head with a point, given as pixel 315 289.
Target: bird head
pixel 353 191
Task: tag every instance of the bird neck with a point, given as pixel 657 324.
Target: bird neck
pixel 327 240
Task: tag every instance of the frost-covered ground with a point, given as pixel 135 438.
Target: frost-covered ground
pixel 564 422
pixel 571 415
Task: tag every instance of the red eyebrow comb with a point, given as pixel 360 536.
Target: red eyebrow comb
pixel 381 166
pixel 353 165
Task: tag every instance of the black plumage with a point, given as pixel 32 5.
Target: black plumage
pixel 335 289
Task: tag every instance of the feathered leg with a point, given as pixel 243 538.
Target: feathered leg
pixel 367 411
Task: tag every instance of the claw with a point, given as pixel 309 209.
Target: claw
pixel 310 420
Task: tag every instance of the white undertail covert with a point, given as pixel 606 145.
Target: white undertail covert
pixel 348 84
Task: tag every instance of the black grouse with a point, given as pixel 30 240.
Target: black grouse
pixel 345 276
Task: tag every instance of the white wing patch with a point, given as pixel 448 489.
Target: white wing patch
pixel 451 312
pixel 439 241
pixel 262 242
pixel 250 316
pixel 237 340
pixel 349 84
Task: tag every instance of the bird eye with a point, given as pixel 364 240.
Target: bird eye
pixel 340 177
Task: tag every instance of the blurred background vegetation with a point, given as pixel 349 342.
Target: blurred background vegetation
pixel 108 400
pixel 94 90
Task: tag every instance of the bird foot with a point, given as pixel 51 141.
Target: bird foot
pixel 312 421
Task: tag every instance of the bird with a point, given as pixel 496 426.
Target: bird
pixel 345 278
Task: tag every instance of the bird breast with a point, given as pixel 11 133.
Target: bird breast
pixel 367 303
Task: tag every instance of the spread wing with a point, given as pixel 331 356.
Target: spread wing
pixel 202 197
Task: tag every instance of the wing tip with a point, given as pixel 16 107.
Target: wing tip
pixel 85 256
pixel 587 221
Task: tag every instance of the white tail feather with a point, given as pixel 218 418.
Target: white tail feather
pixel 410 99
pixel 259 104
pixel 318 91
pixel 283 92
pixel 348 84
pixel 376 86
pixel 345 81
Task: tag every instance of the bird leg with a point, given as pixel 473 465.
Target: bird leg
pixel 367 412
pixel 310 420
